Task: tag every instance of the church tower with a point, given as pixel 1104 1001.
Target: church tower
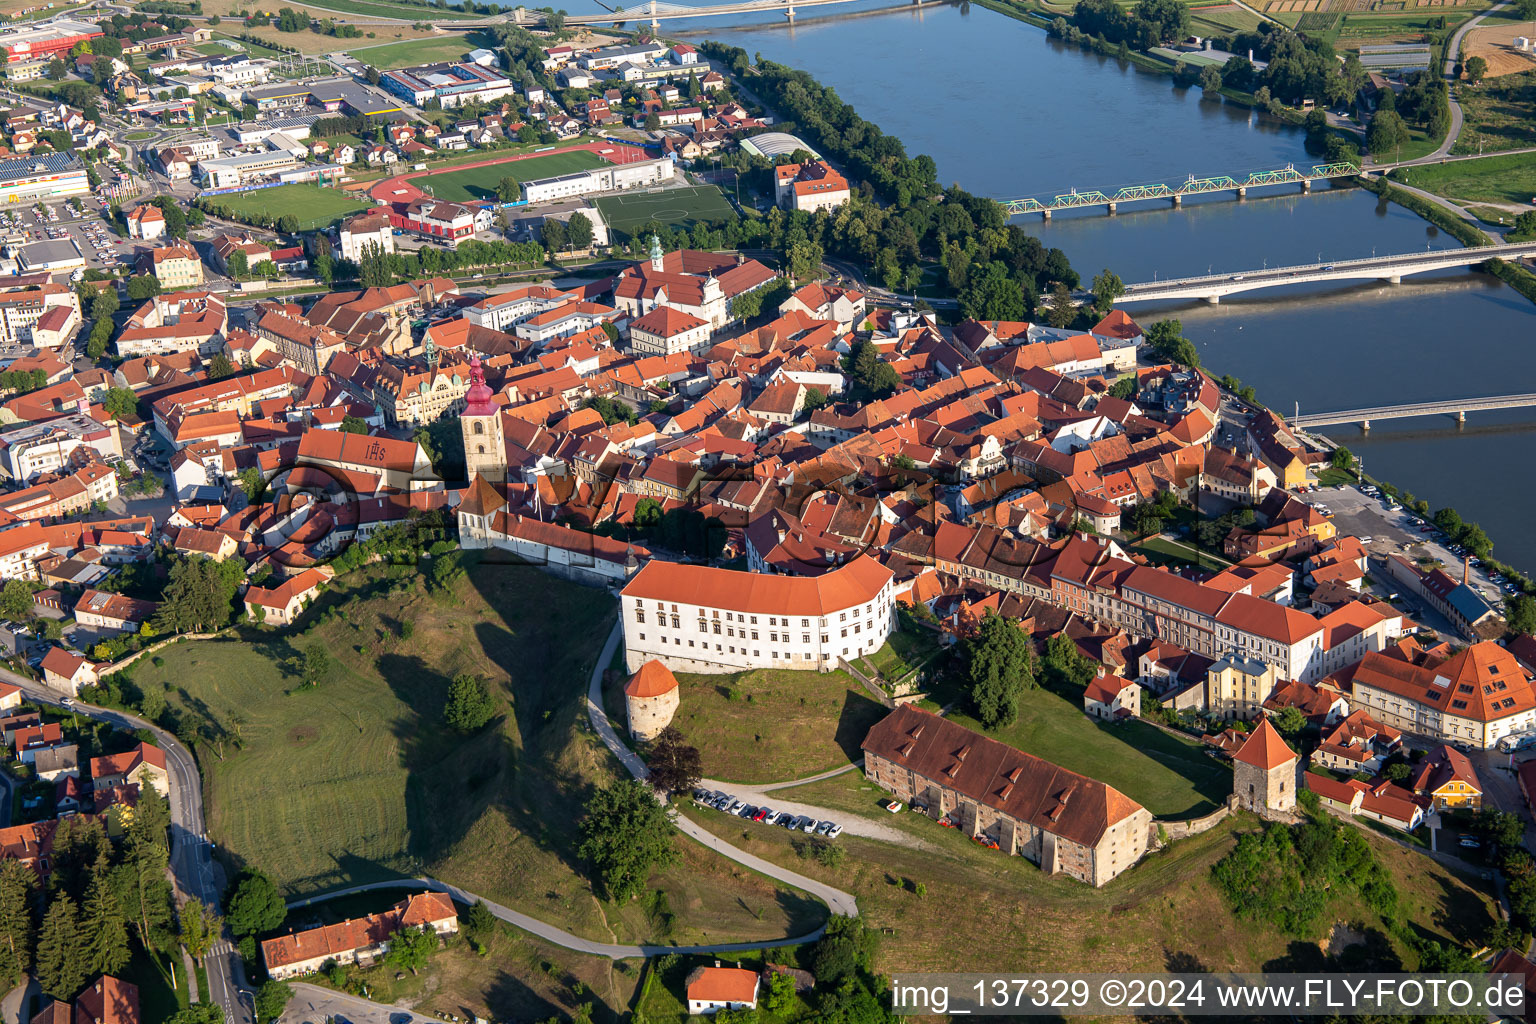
pixel 485 451
pixel 658 258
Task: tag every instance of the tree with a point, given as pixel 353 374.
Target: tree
pixel 143 287
pixel 62 964
pixel 1290 721
pixel 1165 339
pixel 991 293
pixel 199 595
pixel 1476 68
pixel 106 930
pixel 16 600
pixel 373 269
pixel 353 425
pixel 314 663
pixel 1210 79
pixel 219 367
pixel 1520 613
pixel 814 399
pixel 198 1013
pixel 239 266
pixel 255 906
pixel 1124 388
pixel 18 884
pixel 1386 132
pixel 578 231
pixel 271 999
pixel 1000 669
pixel 57 70
pixel 803 259
pixel 411 948
pixel 469 705
pixel 200 928
pixel 508 190
pixel 1398 771
pixel 552 233
pixel 1062 310
pixel 373 76
pixel 1068 665
pixel 673 766
pixel 625 835
pixel 1107 287
pixel 1342 458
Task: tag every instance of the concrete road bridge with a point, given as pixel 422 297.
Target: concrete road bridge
pixel 1457 408
pixel 1193 186
pixel 1392 269
pixel 657 11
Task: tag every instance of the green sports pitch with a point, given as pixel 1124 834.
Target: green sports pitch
pixel 673 207
pixel 313 206
pixel 481 182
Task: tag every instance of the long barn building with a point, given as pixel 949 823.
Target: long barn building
pixel 1067 823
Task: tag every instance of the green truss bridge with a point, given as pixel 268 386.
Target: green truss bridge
pixel 1193 186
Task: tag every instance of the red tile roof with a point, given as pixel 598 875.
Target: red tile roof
pixel 653 680
pixel 1264 748
pixel 855 583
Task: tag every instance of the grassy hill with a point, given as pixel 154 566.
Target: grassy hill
pixel 356 779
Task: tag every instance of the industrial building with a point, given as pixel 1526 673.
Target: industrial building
pixel 57 37
pixel 450 84
pixel 612 178
pixel 231 171
pixel 52 176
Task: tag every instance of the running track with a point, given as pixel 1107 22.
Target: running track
pixel 400 190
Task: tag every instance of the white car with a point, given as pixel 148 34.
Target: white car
pixel 809 826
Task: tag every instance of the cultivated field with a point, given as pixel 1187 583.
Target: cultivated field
pixel 773 725
pixel 420 51
pixel 1169 776
pixel 314 206
pixel 357 779
pixel 671 207
pixel 481 182
pixel 984 911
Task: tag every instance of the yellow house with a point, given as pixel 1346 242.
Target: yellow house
pixel 1447 777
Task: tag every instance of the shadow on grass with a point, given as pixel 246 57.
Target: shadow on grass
pixel 860 713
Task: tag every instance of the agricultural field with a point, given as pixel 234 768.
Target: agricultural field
pixel 1222 19
pixel 1166 910
pixel 672 207
pixel 357 779
pixel 481 182
pixel 1492 179
pixel 314 206
pixel 423 51
pixel 1499 114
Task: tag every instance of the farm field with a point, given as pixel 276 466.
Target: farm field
pixel 772 725
pixel 1170 776
pixel 314 206
pixel 672 207
pixel 420 51
pixel 372 786
pixel 1492 179
pixel 1164 910
pixel 481 182
pixel 1498 114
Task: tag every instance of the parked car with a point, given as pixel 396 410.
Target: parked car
pixel 1470 843
pixel 894 806
pixel 760 814
pixel 835 830
pixel 808 827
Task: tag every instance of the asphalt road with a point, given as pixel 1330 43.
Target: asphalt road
pixel 192 869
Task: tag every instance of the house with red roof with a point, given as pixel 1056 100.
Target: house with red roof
pixel 1111 697
pixel 712 989
pixel 282 604
pixel 144 764
pixel 811 186
pixel 67 671
pixel 357 940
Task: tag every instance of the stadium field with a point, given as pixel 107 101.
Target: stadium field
pixel 673 207
pixel 313 206
pixel 481 182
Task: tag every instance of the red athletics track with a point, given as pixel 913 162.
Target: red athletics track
pixel 400 190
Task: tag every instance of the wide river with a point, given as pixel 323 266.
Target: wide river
pixel 1005 111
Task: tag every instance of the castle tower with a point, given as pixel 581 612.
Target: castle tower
pixel 651 699
pixel 485 450
pixel 1264 773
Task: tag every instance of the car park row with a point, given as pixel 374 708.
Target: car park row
pixel 719 800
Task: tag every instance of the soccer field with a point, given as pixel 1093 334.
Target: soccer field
pixel 673 207
pixel 481 182
pixel 315 207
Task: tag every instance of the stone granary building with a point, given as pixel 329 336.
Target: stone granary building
pixel 1065 822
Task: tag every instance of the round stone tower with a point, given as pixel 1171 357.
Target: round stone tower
pixel 651 699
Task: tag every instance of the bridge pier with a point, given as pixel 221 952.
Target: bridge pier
pixel 1394 279
pixel 1306 184
pixel 1242 192
pixel 1045 214
pixel 1461 417
pixel 1111 208
pixel 1214 300
pixel 1178 201
pixel 789 13
pixel 1365 426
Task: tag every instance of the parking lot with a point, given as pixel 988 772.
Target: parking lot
pixel 719 800
pixel 1393 529
pixel 80 219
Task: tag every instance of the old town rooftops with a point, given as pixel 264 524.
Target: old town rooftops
pixel 858 582
pixel 1023 786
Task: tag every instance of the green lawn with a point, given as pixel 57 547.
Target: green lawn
pixel 673 207
pixel 1169 776
pixel 415 51
pixel 1162 551
pixel 357 780
pixel 773 725
pixel 481 182
pixel 1496 179
pixel 384 9
pixel 314 206
pixel 905 650
pixel 253 49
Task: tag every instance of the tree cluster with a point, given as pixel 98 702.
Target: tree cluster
pixel 1000 665
pixel 1146 25
pixel 200 595
pixel 625 836
pixel 1469 535
pixel 1165 340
